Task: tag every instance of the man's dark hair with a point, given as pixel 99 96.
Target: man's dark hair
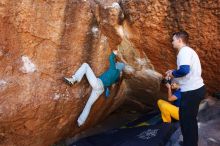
pixel 183 35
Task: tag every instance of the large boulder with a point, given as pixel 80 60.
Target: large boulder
pixel 45 40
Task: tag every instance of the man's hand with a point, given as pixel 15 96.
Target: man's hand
pixel 169 74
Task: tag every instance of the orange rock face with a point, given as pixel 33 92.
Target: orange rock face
pixel 42 41
pixel 155 22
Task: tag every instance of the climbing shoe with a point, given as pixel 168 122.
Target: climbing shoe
pixel 69 81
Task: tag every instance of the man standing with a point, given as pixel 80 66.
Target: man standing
pixel 188 75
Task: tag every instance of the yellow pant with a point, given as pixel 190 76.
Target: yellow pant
pixel 168 110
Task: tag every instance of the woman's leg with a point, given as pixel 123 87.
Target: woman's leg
pixel 168 110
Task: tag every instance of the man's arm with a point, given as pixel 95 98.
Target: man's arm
pixel 184 59
pixel 182 71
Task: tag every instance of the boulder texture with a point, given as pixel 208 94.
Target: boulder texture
pixel 41 41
